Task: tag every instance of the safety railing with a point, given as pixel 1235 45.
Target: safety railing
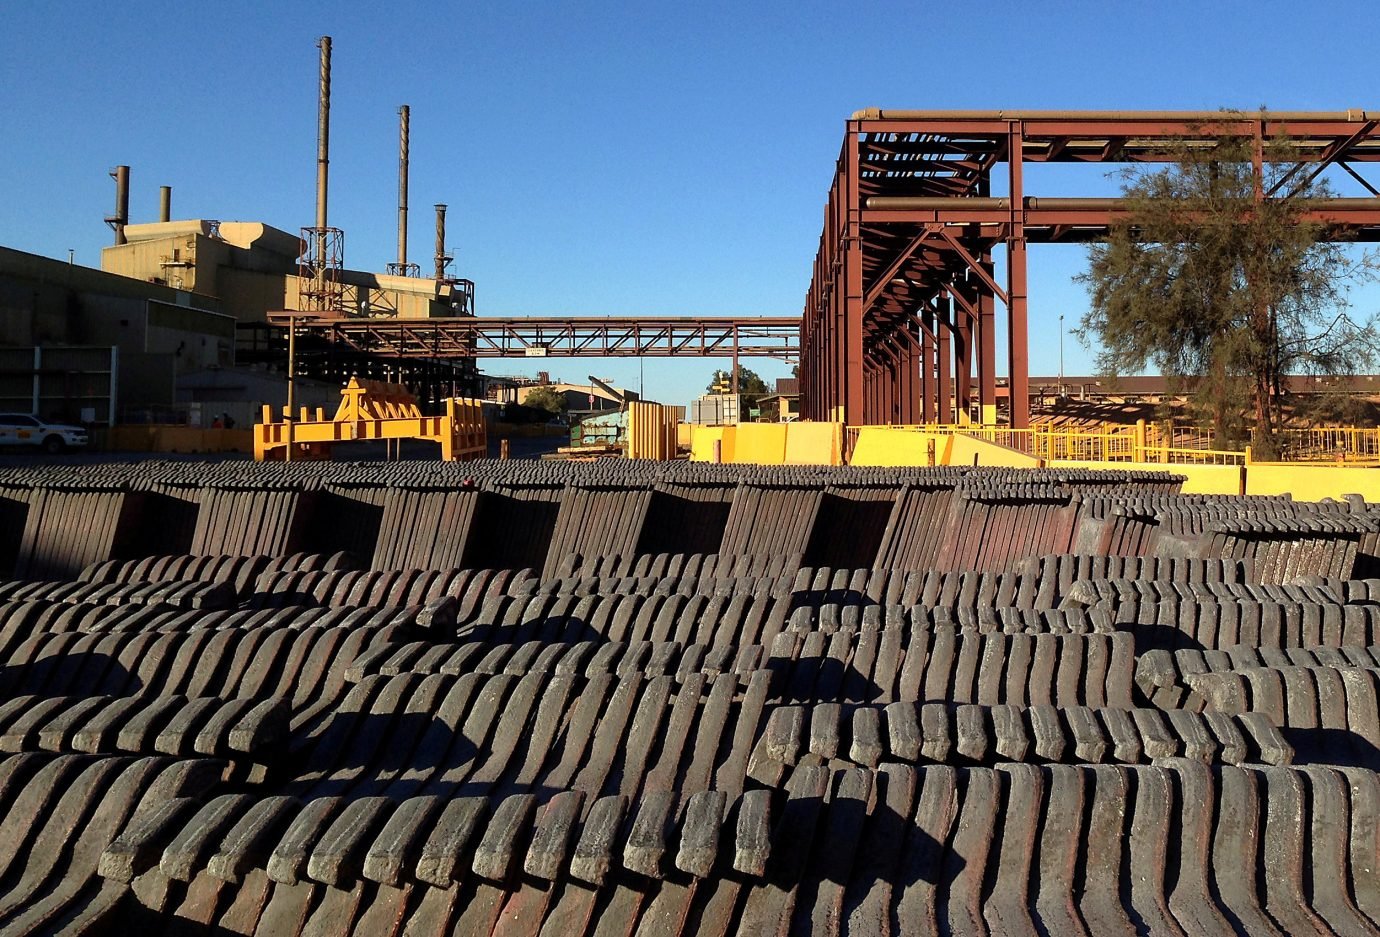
pixel 1165 442
pixel 1330 444
pixel 1139 442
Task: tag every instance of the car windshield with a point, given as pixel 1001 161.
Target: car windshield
pixel 17 419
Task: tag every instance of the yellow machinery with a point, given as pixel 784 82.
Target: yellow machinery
pixel 373 410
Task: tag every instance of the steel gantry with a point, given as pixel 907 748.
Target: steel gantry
pixel 568 336
pixel 899 320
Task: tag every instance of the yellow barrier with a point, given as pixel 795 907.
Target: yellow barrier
pixel 702 440
pixel 814 443
pixel 801 443
pixel 1206 471
pixel 1200 479
pixel 759 444
pixel 889 447
pixel 1312 482
pixel 969 450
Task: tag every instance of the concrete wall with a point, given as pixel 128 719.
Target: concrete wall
pixel 243 392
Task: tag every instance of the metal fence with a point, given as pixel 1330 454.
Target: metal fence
pixel 1163 442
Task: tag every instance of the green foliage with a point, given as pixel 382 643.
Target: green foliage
pixel 545 398
pixel 750 384
pixel 1209 282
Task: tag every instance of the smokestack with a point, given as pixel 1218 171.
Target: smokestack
pixel 323 145
pixel 404 113
pixel 165 203
pixel 441 258
pixel 121 216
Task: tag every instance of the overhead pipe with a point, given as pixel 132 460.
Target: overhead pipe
pixel 121 217
pixel 165 203
pixel 404 115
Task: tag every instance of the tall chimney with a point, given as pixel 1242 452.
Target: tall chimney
pixel 323 146
pixel 404 114
pixel 441 258
pixel 121 216
pixel 165 203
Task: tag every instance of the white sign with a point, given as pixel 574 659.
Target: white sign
pixel 534 351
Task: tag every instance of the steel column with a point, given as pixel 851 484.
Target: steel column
pixel 929 393
pixel 1018 334
pixel 964 323
pixel 944 347
pixel 853 284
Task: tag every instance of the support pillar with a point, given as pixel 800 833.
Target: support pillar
pixel 930 405
pixel 1016 290
pixel 987 346
pixel 914 386
pixel 964 324
pixel 984 330
pixel 944 349
pixel 853 281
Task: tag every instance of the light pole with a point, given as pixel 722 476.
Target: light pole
pixel 1061 354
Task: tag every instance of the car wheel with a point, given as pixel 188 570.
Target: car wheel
pixel 53 445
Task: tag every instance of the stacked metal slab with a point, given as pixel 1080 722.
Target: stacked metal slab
pixel 531 699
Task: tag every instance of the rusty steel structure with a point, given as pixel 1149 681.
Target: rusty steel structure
pixel 900 316
pixel 556 336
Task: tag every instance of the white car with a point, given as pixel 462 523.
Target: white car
pixel 23 429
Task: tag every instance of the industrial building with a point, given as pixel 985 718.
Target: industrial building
pixel 79 344
pixel 176 301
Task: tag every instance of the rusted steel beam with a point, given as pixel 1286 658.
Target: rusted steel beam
pixel 1334 152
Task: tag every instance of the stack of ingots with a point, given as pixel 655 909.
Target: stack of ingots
pixel 639 698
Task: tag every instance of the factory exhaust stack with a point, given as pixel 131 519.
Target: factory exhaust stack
pixel 323 144
pixel 121 217
pixel 165 203
pixel 404 114
pixel 320 288
pixel 442 258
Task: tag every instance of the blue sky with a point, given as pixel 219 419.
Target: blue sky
pixel 600 158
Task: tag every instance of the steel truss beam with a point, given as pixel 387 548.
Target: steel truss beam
pixel 559 337
pixel 903 277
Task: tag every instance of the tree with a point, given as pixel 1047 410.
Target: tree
pixel 1216 276
pixel 750 385
pixel 545 398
